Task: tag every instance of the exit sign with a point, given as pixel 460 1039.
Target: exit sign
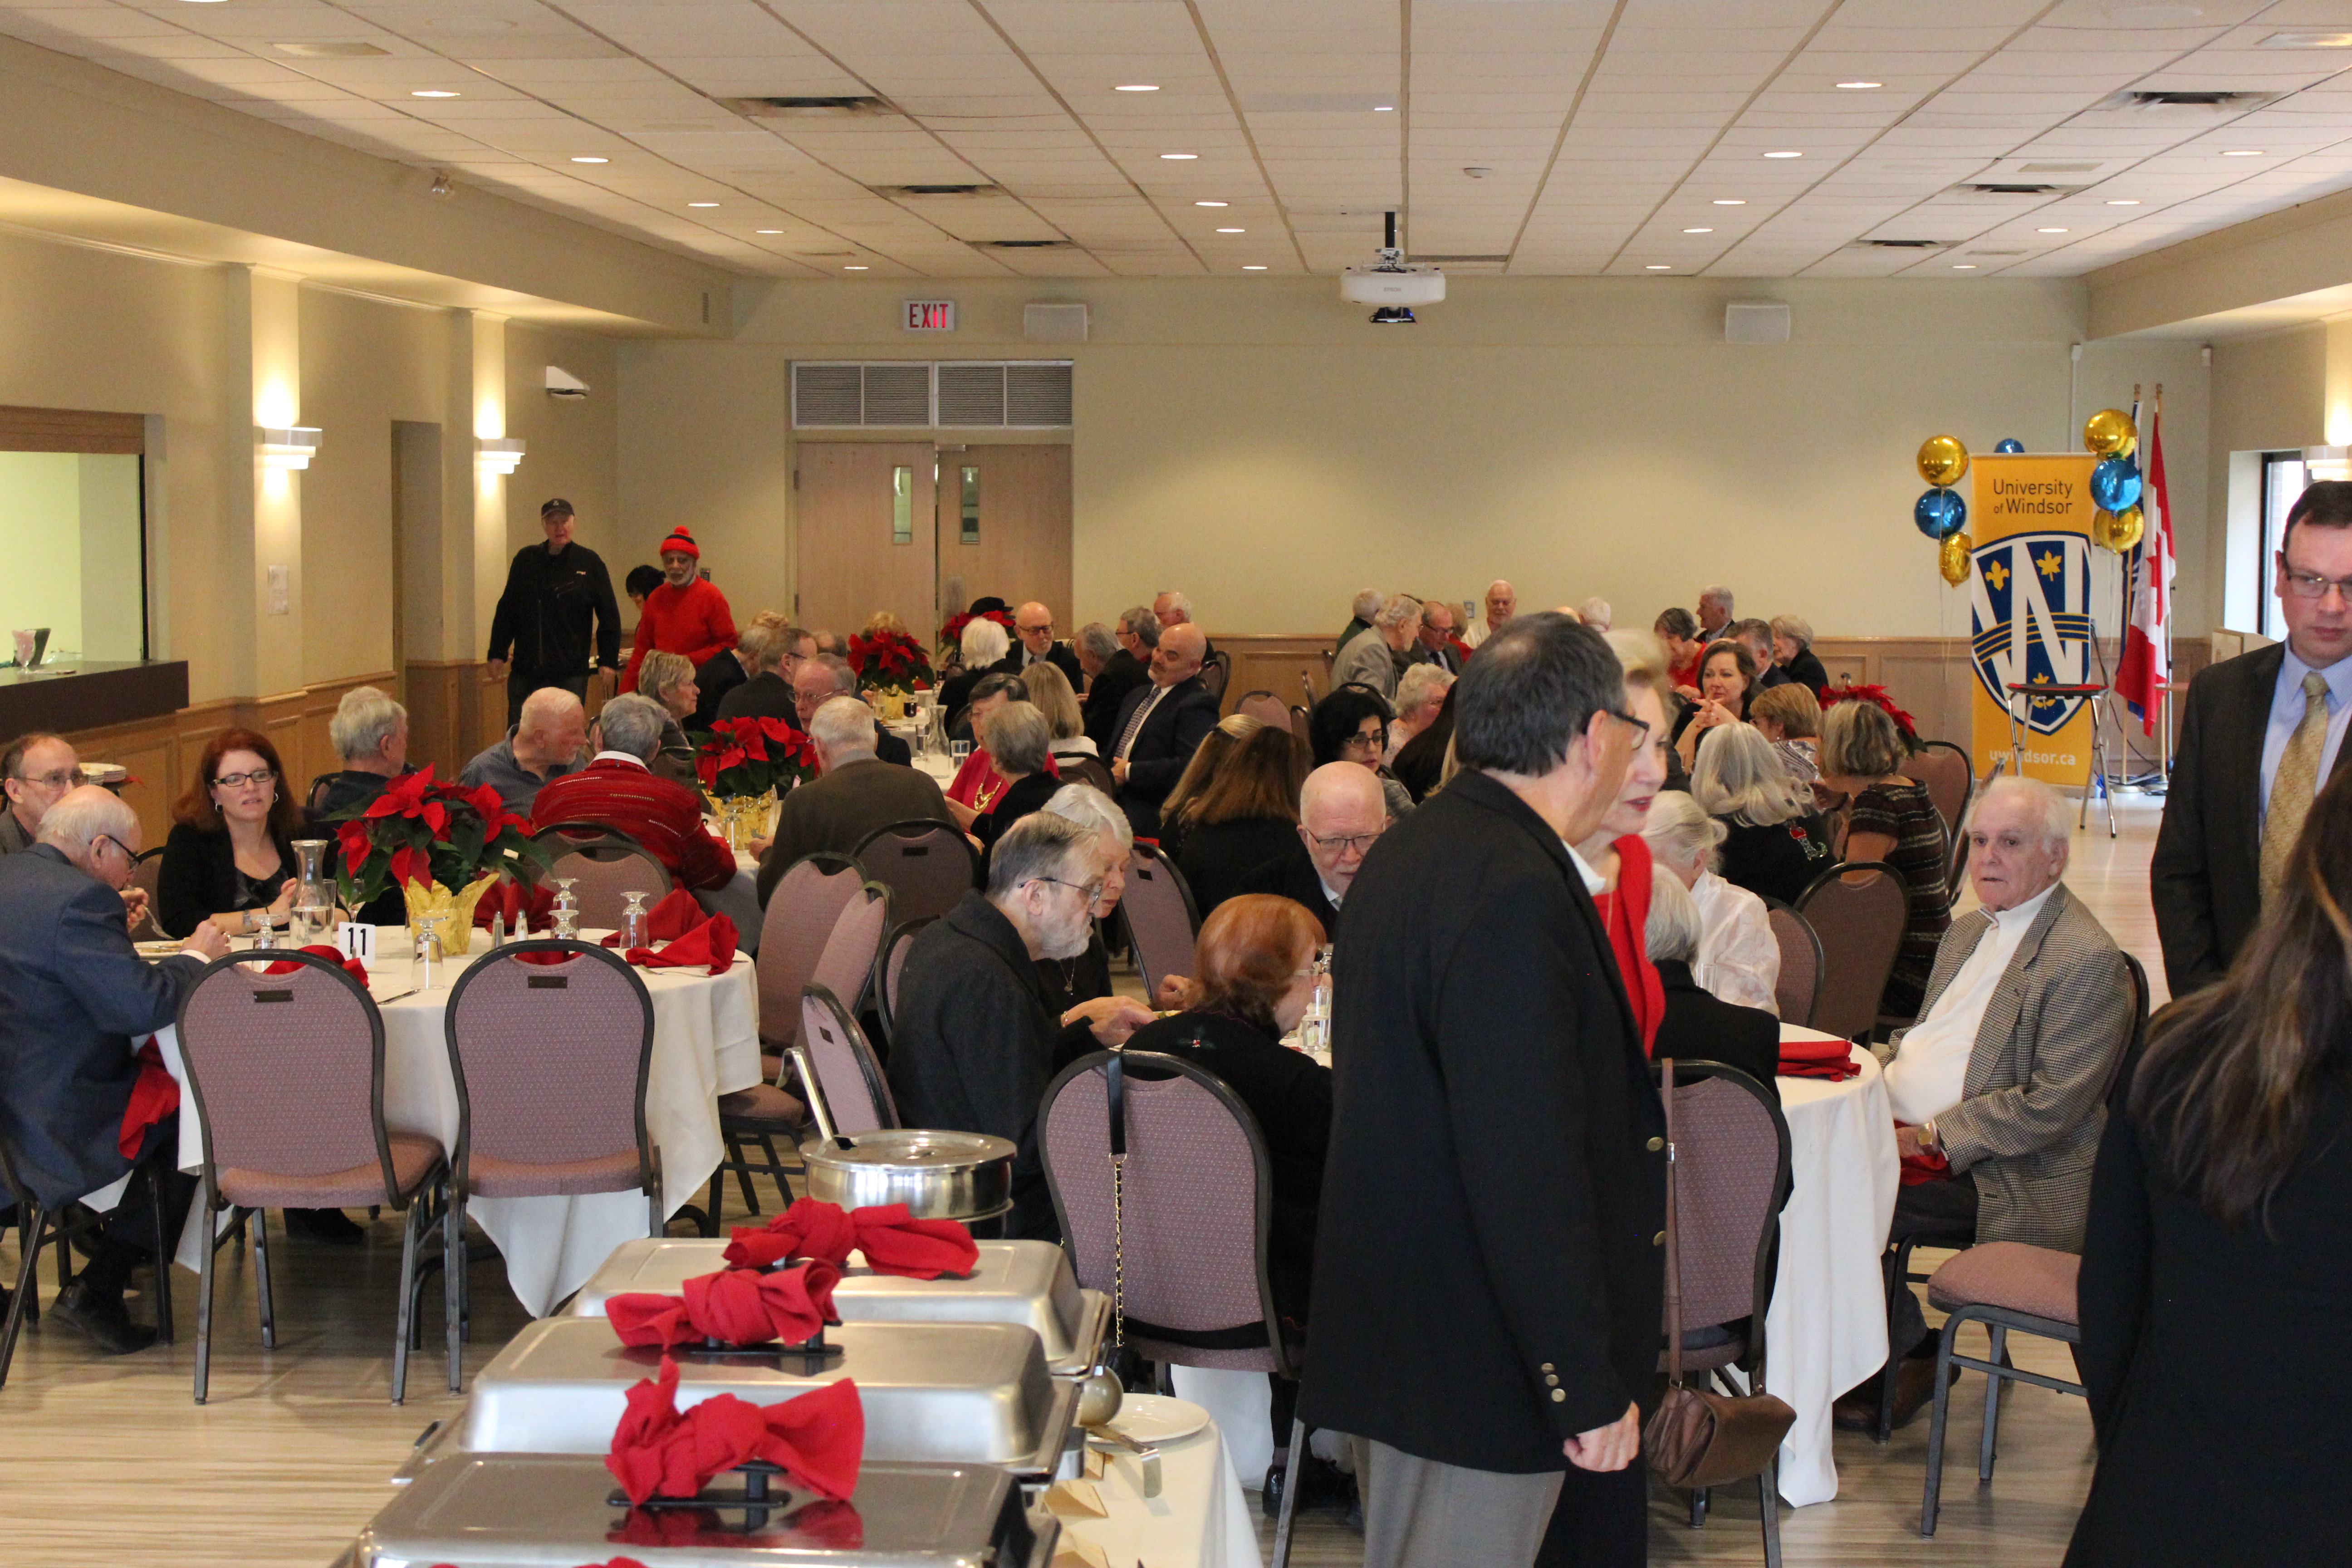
pixel 931 316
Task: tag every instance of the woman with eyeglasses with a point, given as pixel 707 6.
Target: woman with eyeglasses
pixel 229 858
pixel 1351 725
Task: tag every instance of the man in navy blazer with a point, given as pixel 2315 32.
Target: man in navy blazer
pixel 75 1000
pixel 1161 726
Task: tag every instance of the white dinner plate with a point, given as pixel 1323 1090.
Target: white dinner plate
pixel 1156 1418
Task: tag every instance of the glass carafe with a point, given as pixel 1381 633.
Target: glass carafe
pixel 636 924
pixel 314 898
pixel 1315 1029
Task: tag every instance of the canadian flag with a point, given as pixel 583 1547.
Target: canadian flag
pixel 2147 642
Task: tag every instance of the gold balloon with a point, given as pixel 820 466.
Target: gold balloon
pixel 2103 523
pixel 2108 433
pixel 1942 461
pixel 1954 561
pixel 2131 444
pixel 2124 530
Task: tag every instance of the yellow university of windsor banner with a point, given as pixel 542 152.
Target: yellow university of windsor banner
pixel 2030 597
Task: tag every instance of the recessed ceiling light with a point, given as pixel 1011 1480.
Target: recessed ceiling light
pixel 1699 231
pixel 1731 201
pixel 2049 231
pixel 1136 86
pixel 2243 152
pixel 1209 204
pixel 1232 231
pixel 767 231
pixel 592 160
pixel 1964 267
pixel 702 204
pixel 1252 268
pixel 1657 266
pixel 1179 157
pixel 1860 86
pixel 1784 155
pixel 432 92
pixel 855 267
pixel 2306 41
pixel 2125 202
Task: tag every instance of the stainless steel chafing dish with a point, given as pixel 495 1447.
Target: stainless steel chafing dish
pixel 1024 1282
pixel 938 1175
pixel 953 1393
pixel 541 1511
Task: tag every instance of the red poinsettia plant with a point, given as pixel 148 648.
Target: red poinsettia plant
pixel 418 830
pixel 951 634
pixel 752 756
pixel 888 659
pixel 1878 697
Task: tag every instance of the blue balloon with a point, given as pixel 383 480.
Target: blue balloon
pixel 2114 483
pixel 2008 444
pixel 1940 513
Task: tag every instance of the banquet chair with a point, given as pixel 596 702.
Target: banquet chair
pixel 1217 673
pixel 1800 982
pixel 38 1227
pixel 850 1082
pixel 1161 921
pixel 1195 1209
pixel 287 1075
pixel 886 971
pixel 147 872
pixel 2003 1285
pixel 1861 929
pixel 607 864
pixel 1078 768
pixel 536 1121
pixel 928 865
pixel 1732 1176
pixel 807 901
pixel 1949 774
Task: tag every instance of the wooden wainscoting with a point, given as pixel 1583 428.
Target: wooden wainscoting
pixel 1275 664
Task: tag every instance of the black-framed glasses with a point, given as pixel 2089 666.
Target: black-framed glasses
pixel 1045 630
pixel 1345 842
pixel 109 838
pixel 238 781
pixel 1373 742
pixel 2311 584
pixel 1093 890
pixel 1641 726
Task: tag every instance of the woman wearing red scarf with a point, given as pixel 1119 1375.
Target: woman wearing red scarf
pixel 1617 852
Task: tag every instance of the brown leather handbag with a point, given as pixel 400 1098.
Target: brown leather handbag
pixel 1694 1437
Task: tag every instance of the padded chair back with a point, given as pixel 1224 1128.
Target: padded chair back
pixel 1731 1179
pixel 147 871
pixel 801 911
pixel 2130 1055
pixel 1216 671
pixel 605 864
pixel 550 1058
pixel 892 964
pixel 1079 768
pixel 845 967
pixel 287 1069
pixel 1197 1204
pixel 1797 989
pixel 927 865
pixel 1161 919
pixel 1949 777
pixel 1860 928
pixel 848 1075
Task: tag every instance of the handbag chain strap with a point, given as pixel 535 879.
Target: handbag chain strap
pixel 1117 1097
pixel 1674 1240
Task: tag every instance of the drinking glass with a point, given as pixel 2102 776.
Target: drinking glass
pixel 566 909
pixel 426 966
pixel 636 924
pixel 957 750
pixel 265 929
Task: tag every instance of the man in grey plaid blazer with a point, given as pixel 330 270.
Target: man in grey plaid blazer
pixel 2004 1075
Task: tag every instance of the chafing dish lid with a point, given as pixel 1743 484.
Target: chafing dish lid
pixel 913 1147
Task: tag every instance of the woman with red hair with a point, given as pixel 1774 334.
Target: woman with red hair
pixel 229 856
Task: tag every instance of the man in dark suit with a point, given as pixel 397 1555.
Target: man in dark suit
pixel 1486 1313
pixel 770 654
pixel 2277 713
pixel 1123 672
pixel 75 999
pixel 1434 642
pixel 828 675
pixel 1034 643
pixel 856 794
pixel 1159 727
pixel 1341 813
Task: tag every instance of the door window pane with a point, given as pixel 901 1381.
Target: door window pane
pixel 971 506
pixel 2285 477
pixel 902 505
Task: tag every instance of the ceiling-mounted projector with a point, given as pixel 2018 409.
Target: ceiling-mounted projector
pixel 1391 284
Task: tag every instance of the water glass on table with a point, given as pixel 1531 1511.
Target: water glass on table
pixel 637 927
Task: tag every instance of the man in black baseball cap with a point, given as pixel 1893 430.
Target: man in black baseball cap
pixel 557 595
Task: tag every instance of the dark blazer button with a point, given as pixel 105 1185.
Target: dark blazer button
pixel 1659 1240
pixel 1656 1144
pixel 1552 1382
pixel 1560 1397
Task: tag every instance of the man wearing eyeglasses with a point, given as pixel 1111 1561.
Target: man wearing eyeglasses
pixel 36 771
pixel 1342 811
pixel 1034 643
pixel 2260 735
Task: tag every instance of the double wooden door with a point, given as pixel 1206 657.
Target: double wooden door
pixel 923 529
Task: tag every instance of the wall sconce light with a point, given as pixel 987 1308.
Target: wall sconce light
pixel 498 453
pixel 286 446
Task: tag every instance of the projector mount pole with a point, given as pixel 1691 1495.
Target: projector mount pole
pixel 1390 254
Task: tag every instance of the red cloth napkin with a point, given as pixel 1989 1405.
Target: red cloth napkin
pixel 734 1306
pixel 712 944
pixel 523 907
pixel 352 966
pixel 819 1439
pixel 1819 1059
pixel 154 1096
pixel 675 915
pixel 1920 1169
pixel 893 1240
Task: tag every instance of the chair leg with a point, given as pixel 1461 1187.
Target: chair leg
pixel 1896 1279
pixel 1935 1487
pixel 164 1247
pixel 205 1293
pixel 710 1200
pixel 776 1167
pixel 261 1280
pixel 1767 1500
pixel 2000 1336
pixel 409 1239
pixel 453 1282
pixel 742 1171
pixel 1698 1500
pixel 1285 1515
pixel 30 1218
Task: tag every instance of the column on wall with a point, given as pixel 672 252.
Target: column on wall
pixel 276 331
pixel 2335 414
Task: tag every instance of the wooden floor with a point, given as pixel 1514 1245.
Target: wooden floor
pixel 108 1462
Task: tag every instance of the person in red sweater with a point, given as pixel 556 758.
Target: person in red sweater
pixel 685 615
pixel 616 790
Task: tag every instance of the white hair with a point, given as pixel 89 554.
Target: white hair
pixel 1090 807
pixel 984 642
pixel 1421 686
pixel 632 724
pixel 1594 612
pixel 363 720
pixel 1740 775
pixel 1720 594
pixel 544 708
pixel 2047 808
pixel 842 725
pixel 80 816
pixel 1399 609
pixel 1674 927
pixel 1367 605
pixel 1681 831
pixel 1178 605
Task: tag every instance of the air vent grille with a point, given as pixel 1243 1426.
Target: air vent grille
pixel 972 395
pixel 2007 188
pixel 935 190
pixel 1026 244
pixel 1907 244
pixel 968 395
pixel 1037 396
pixel 898 394
pixel 801 107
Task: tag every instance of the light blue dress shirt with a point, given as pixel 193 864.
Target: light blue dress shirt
pixel 2286 712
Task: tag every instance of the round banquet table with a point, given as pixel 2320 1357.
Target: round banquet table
pixel 706 1044
pixel 1826 1328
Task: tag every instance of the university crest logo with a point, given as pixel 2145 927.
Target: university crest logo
pixel 2031 597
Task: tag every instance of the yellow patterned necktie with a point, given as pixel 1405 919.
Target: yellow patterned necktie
pixel 2297 781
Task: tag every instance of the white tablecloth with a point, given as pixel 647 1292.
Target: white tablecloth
pixel 1826 1330
pixel 1200 1520
pixel 706 1044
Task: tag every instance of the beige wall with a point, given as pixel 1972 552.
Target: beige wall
pixel 571 443
pixel 1259 443
pixel 2269 395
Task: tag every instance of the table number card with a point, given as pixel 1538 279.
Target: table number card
pixel 356 940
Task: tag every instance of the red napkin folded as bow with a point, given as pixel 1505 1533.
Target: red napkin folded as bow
pixel 818 1439
pixel 675 915
pixel 893 1239
pixel 734 1306
pixel 1818 1059
pixel 352 966
pixel 712 944
pixel 154 1096
pixel 523 907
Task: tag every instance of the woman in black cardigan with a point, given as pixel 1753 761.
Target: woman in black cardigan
pixel 1245 816
pixel 2213 1277
pixel 230 853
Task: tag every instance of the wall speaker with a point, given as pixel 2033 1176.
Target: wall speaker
pixel 1755 322
pixel 1054 323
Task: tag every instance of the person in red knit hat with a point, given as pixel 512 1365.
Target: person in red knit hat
pixel 685 615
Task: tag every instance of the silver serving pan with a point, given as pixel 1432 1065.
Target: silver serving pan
pixel 1024 1282
pixel 935 1393
pixel 541 1511
pixel 938 1175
